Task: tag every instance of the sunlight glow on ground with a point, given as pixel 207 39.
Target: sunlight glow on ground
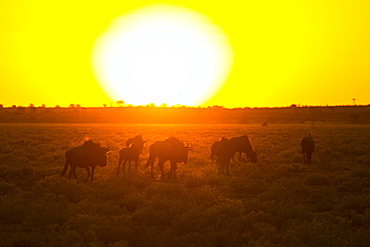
pixel 162 54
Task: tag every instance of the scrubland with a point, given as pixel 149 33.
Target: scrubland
pixel 276 202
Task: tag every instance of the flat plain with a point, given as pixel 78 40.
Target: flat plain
pixel 276 202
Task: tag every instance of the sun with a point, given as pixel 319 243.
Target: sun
pixel 162 54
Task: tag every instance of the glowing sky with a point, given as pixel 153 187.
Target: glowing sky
pixel 314 52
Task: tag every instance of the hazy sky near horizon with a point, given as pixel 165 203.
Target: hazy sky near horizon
pixel 308 52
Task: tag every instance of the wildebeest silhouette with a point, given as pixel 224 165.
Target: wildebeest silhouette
pixel 134 146
pixel 214 149
pixel 264 124
pixel 223 151
pixel 171 149
pixel 88 155
pixel 308 146
pixel 128 154
pixel 241 145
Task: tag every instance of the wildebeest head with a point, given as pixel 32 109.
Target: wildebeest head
pixel 186 148
pixel 138 141
pixel 253 156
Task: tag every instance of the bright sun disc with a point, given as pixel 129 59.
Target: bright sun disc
pixel 162 54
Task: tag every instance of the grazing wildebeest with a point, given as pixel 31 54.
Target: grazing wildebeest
pixel 223 151
pixel 129 154
pixel 138 141
pixel 308 145
pixel 88 155
pixel 171 149
pixel 242 144
pixel 264 124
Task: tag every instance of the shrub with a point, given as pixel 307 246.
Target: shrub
pixel 357 203
pixel 204 195
pixel 250 187
pixel 7 188
pixel 317 179
pixel 361 172
pixel 171 190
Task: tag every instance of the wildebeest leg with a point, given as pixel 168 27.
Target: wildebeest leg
pixel 160 165
pixel 304 158
pixel 72 172
pixel 88 173
pixel 227 168
pixel 150 162
pixel 123 166
pixel 151 169
pixel 309 156
pixel 119 167
pixel 240 156
pixel 173 170
pixel 136 161
pixel 92 173
pixel 129 166
pixel 220 167
pixel 119 162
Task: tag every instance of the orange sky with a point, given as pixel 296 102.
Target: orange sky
pixel 285 52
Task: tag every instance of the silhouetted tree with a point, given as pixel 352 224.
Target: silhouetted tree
pixel 120 103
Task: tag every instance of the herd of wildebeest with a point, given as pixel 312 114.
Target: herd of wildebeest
pixel 91 154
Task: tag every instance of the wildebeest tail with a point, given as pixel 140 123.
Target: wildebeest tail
pixel 67 163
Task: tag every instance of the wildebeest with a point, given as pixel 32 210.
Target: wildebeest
pixel 214 149
pixel 129 154
pixel 134 146
pixel 171 149
pixel 88 155
pixel 242 144
pixel 308 146
pixel 264 124
pixel 223 150
pixel 138 141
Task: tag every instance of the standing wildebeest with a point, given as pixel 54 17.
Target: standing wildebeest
pixel 214 149
pixel 242 144
pixel 128 154
pixel 138 141
pixel 171 149
pixel 223 151
pixel 308 145
pixel 131 152
pixel 88 155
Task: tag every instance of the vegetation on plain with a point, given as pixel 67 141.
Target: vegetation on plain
pixel 277 201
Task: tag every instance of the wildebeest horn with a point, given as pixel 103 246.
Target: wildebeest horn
pixel 190 147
